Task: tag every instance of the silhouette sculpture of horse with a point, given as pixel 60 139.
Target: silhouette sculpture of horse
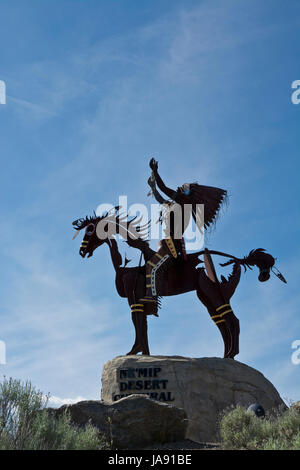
pixel 183 276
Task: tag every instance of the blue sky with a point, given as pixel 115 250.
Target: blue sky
pixel 94 89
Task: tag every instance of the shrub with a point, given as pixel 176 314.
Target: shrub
pixel 50 433
pixel 241 429
pixel 24 424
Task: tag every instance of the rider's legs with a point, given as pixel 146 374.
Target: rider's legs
pixel 159 262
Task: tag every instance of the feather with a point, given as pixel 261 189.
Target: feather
pixel 213 200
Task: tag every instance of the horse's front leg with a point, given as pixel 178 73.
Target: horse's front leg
pixel 145 350
pixel 136 347
pixel 134 287
pixel 139 320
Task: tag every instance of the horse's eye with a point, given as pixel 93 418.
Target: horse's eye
pixel 90 229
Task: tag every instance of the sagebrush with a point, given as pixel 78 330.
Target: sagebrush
pixel 26 425
pixel 241 429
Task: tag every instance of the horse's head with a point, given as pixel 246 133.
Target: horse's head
pixel 265 263
pixel 90 241
pixel 100 229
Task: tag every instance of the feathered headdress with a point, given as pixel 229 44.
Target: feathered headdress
pixel 212 198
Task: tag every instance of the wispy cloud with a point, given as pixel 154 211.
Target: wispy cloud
pixel 56 402
pixel 35 110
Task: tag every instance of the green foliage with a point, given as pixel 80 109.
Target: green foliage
pixel 241 429
pixel 24 424
pixel 51 433
pixel 19 403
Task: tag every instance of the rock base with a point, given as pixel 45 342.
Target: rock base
pixel 202 387
pixel 134 422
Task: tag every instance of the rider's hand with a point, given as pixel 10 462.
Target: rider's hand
pixel 153 164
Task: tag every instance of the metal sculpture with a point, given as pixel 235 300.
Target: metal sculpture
pixel 183 274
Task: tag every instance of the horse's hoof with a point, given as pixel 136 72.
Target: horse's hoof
pixel 135 350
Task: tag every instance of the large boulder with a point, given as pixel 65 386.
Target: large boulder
pixel 202 387
pixel 130 423
pixel 296 406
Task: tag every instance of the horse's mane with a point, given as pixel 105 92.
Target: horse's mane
pixel 127 228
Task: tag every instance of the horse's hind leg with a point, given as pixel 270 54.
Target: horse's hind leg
pixel 223 328
pixel 234 326
pixel 227 338
pixel 230 330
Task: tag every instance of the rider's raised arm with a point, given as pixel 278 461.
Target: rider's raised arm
pixel 158 196
pixel 168 191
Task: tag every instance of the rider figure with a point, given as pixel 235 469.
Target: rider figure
pixel 176 213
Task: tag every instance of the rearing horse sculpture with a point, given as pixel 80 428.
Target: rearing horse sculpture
pixel 183 276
